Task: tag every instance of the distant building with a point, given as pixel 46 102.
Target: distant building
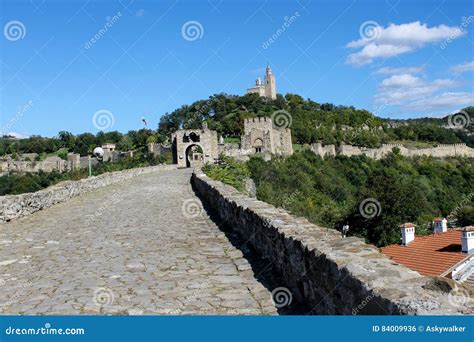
pixel 109 150
pixel 261 136
pixel 193 147
pixel 267 88
pixel 447 253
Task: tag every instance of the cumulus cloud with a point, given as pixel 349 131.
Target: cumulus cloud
pixel 411 92
pixel 394 40
pixel 446 100
pixel 464 67
pixel 400 70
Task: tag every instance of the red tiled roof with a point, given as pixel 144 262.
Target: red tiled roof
pixel 437 219
pixel 430 255
pixel 407 225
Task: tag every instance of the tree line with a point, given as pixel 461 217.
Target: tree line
pixel 372 196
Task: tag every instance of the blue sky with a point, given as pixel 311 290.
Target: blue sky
pixel 396 58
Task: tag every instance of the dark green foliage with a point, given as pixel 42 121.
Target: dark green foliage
pixel 311 121
pixel 83 143
pixel 465 215
pixel 13 184
pixel 329 192
pixel 228 171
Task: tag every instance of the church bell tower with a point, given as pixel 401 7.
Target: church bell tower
pixel 270 86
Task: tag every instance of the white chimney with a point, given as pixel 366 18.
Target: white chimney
pixel 440 225
pixel 408 233
pixel 467 240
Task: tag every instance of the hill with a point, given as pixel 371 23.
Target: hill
pixel 314 122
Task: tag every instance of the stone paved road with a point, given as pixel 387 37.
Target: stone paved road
pixel 126 249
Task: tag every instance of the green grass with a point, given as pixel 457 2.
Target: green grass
pixel 232 140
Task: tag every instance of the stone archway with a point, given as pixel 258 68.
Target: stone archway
pixel 184 139
pixel 194 155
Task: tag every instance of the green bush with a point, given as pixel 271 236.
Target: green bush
pixel 228 171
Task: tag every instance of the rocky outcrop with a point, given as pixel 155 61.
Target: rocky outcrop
pixel 327 273
pixel 16 206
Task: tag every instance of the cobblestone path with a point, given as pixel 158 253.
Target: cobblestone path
pixel 142 246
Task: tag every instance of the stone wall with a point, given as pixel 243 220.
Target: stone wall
pixel 50 164
pixel 439 151
pixel 184 139
pixel 260 132
pixel 329 274
pixel 16 206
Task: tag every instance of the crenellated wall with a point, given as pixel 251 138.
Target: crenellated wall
pixel 439 151
pixel 327 273
pixel 16 206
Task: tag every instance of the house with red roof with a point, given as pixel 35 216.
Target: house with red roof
pixel 446 253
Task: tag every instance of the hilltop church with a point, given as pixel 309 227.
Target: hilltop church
pixel 267 88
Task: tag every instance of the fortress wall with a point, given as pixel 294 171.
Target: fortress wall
pixel 439 151
pixel 48 165
pixel 257 123
pixel 319 149
pixel 329 274
pixel 16 206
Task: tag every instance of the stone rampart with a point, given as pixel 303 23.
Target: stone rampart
pixel 327 273
pixel 439 151
pixel 16 206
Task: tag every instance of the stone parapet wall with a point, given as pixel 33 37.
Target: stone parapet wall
pixel 329 274
pixel 16 206
pixel 439 151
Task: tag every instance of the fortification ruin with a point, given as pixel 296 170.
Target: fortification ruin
pixel 440 151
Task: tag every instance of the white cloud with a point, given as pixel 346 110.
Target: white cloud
pixel 443 101
pixel 464 67
pixel 401 70
pixel 17 135
pixel 404 80
pixel 398 39
pixel 414 93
